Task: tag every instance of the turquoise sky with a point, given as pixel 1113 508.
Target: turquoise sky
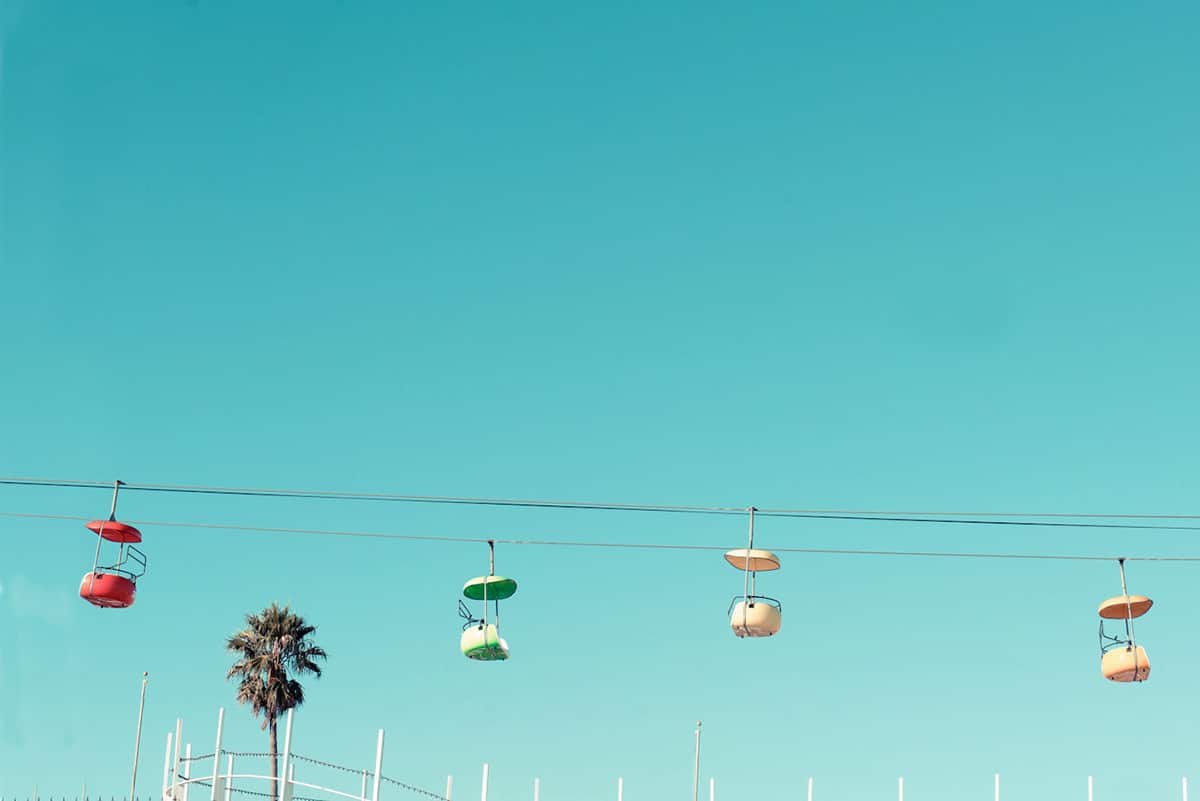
pixel 894 256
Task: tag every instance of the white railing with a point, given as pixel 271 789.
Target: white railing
pixel 181 778
pixel 182 781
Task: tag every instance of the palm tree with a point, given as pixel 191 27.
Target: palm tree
pixel 274 647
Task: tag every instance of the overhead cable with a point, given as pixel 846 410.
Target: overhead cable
pixel 610 545
pixel 939 517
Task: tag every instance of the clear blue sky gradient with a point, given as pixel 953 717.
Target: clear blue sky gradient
pixel 925 256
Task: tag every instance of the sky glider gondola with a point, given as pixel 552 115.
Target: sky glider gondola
pixel 114 586
pixel 1121 658
pixel 481 638
pixel 752 615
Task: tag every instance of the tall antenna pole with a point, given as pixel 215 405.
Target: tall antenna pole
pixel 696 774
pixel 137 743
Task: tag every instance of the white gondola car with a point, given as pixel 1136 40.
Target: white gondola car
pixel 750 614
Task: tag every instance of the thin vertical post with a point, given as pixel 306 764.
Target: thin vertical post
pixel 229 779
pixel 178 737
pixel 378 766
pixel 187 763
pixel 449 787
pixel 901 783
pixel 287 745
pixel 620 789
pixel 1185 788
pixel 810 788
pixel 997 787
pixel 217 754
pixel 137 743
pixel 696 772
pixel 484 784
pixel 167 765
pixel 363 793
pixel 537 787
pixel 712 789
pixel 1089 788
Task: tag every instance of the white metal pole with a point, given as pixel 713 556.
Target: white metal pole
pixel 810 788
pixel 696 774
pixel 187 774
pixel 449 787
pixel 1185 788
pixel 901 788
pixel 1089 788
pixel 363 793
pixel 212 796
pixel 137 743
pixel 620 789
pixel 229 779
pixel 378 766
pixel 537 787
pixel 178 738
pixel 287 745
pixel 483 786
pixel 712 789
pixel 997 787
pixel 167 765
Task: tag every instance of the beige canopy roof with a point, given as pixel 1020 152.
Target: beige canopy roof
pixel 759 559
pixel 1119 608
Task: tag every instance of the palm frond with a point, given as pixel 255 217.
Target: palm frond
pixel 270 652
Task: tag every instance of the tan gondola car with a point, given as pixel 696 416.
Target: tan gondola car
pixel 754 615
pixel 1125 661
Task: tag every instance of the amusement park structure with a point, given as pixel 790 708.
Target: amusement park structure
pixel 225 774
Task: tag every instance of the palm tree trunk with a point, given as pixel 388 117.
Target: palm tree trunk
pixel 274 758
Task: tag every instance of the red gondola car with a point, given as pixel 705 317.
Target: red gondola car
pixel 114 586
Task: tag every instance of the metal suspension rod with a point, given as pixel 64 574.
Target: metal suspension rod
pixel 112 512
pixel 491 572
pixel 96 558
pixel 1128 605
pixel 746 583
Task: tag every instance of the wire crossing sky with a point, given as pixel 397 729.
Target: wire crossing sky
pixel 618 545
pixel 553 504
pixel 910 517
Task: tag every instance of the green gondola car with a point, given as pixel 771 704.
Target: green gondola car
pixel 481 640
